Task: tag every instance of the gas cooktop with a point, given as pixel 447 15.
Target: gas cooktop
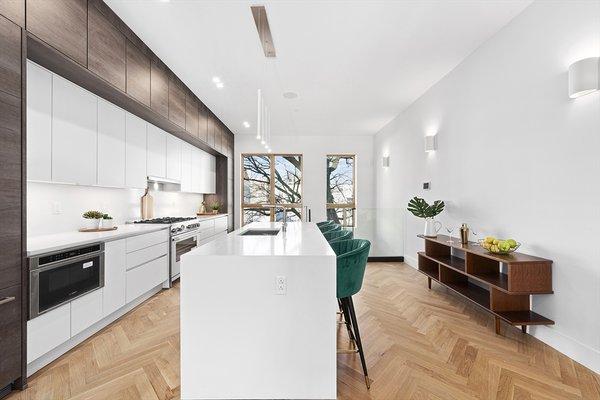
pixel 163 220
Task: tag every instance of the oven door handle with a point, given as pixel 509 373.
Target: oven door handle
pixel 185 236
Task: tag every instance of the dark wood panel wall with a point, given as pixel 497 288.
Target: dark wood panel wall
pixel 91 34
pixel 85 41
pixel 12 233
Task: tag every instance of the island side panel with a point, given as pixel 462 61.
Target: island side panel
pixel 239 339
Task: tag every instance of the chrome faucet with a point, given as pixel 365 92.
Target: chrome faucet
pixel 276 206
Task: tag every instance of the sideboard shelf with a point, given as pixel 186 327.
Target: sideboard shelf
pixel 505 294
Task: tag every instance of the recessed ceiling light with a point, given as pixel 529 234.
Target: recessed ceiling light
pixel 216 79
pixel 220 85
pixel 246 124
pixel 290 95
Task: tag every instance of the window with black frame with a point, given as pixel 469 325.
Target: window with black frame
pixel 341 186
pixel 268 180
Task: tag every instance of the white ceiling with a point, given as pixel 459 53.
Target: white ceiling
pixel 354 64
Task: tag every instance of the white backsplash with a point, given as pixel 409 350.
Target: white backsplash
pixel 53 208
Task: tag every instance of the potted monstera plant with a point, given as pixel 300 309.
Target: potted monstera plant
pixel 420 208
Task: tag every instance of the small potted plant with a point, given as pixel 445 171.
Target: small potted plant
pixel 419 208
pixel 215 207
pixel 92 219
pixel 107 222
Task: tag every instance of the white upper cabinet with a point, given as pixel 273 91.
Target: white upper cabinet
pixel 186 167
pixel 74 133
pixel 173 158
pixel 111 145
pixel 156 163
pixel 197 177
pixel 135 152
pixel 39 123
pixel 208 173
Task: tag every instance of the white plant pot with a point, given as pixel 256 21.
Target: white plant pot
pixel 432 227
pixel 108 223
pixel 91 223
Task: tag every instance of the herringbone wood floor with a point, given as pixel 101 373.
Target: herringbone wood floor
pixel 420 344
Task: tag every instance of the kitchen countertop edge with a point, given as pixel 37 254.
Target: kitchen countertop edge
pixel 42 244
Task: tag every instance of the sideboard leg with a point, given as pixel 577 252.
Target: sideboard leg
pixel 497 325
pixel 429 282
pixel 524 328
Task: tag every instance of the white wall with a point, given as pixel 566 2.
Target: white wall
pixel 516 157
pixel 122 204
pixel 314 150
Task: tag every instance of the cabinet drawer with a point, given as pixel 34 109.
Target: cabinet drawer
pixel 48 331
pixel 142 256
pixel 220 225
pixel 145 277
pixel 207 224
pixel 10 334
pixel 146 240
pixel 86 311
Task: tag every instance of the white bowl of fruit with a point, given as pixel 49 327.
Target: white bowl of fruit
pixel 499 246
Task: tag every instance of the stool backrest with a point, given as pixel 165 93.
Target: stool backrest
pixel 330 228
pixel 338 235
pixel 352 258
pixel 323 223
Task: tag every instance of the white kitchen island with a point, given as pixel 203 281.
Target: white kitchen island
pixel 258 316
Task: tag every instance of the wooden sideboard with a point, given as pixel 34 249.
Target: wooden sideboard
pixel 503 291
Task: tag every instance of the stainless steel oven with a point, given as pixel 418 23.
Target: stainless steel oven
pixel 181 244
pixel 59 277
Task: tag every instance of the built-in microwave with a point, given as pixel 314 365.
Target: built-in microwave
pixel 59 277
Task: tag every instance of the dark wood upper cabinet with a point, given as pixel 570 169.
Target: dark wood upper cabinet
pixel 191 114
pixel 202 122
pixel 138 74
pixel 218 135
pixel 62 24
pixel 177 101
pixel 159 89
pixel 10 57
pixel 106 48
pixel 13 10
pixel 212 126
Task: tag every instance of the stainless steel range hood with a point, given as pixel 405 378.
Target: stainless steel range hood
pixel 163 184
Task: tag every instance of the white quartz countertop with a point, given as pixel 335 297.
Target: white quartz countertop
pixel 300 239
pixel 58 241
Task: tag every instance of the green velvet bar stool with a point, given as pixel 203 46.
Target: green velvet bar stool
pixel 330 228
pixel 336 236
pixel 351 263
pixel 323 223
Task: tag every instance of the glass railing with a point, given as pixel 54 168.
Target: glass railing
pixel 384 228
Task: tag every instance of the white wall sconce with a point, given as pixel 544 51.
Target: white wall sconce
pixel 584 77
pixel 430 143
pixel 385 161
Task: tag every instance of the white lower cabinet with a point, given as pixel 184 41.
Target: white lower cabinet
pixel 147 276
pixel 48 331
pixel 86 311
pixel 150 253
pixel 115 265
pixel 143 256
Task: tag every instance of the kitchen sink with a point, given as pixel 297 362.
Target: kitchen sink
pixel 260 232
